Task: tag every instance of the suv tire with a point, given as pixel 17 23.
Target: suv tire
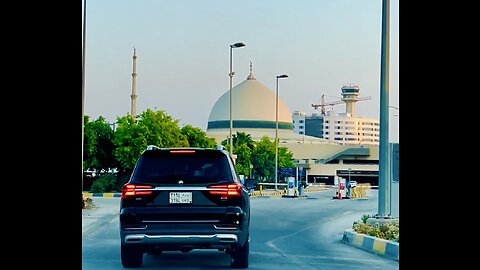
pixel 131 257
pixel 239 256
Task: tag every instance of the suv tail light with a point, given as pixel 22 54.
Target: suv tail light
pixel 130 190
pixel 225 191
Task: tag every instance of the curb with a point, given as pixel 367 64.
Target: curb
pixel 372 244
pixel 106 195
pixel 281 193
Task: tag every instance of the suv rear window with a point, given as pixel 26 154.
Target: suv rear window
pixel 163 167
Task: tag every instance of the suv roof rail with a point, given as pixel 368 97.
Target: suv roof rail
pixel 152 147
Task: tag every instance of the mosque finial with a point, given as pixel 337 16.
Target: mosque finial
pixel 251 76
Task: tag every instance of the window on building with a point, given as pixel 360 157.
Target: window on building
pixel 338 139
pixel 301 132
pixel 301 121
pixel 327 121
pixel 301 127
pixel 326 132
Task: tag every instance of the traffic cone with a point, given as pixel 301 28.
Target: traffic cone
pixel 340 195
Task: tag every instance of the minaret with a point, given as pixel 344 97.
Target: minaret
pixel 134 85
pixel 251 76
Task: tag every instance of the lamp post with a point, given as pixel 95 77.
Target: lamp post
pixel 83 72
pixel 276 129
pixel 236 45
pixel 384 153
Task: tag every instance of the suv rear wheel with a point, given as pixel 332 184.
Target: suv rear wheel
pixel 131 257
pixel 239 256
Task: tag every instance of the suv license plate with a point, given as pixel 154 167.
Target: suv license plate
pixel 180 197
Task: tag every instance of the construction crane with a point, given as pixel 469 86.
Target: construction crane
pixel 333 103
pixel 323 104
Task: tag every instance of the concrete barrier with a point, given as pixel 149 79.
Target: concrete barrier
pixel 372 244
pixel 106 194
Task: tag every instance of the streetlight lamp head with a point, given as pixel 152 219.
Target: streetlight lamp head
pixel 237 45
pixel 282 76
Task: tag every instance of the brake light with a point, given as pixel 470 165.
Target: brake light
pixel 225 191
pixel 129 190
pixel 182 151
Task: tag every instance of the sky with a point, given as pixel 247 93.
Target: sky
pixel 183 54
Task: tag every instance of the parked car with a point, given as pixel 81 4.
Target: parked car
pixel 353 183
pixel 179 199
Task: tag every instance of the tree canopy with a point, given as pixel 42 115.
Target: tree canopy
pixel 98 144
pixel 105 148
pixel 197 137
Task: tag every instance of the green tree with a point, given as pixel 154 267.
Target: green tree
pixel 105 183
pixel 263 159
pixel 197 137
pixel 242 138
pixel 243 146
pixel 285 158
pixel 161 129
pixel 149 128
pixel 98 144
pixel 129 141
pixel 244 155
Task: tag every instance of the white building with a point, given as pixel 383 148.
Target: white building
pixel 351 130
pixel 344 128
pixel 298 121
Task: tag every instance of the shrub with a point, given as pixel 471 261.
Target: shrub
pixel 361 228
pixel 365 217
pixel 105 183
pixel 390 231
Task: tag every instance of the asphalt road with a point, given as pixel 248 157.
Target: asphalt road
pixel 286 233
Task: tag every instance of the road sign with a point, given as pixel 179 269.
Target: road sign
pixel 286 171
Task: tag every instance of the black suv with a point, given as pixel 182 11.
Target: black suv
pixel 179 199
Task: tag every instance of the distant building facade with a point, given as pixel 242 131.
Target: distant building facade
pixel 341 128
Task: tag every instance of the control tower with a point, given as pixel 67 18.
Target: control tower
pixel 350 96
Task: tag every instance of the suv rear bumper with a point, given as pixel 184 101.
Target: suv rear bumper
pixel 212 239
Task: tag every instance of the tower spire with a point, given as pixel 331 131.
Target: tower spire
pixel 134 85
pixel 251 76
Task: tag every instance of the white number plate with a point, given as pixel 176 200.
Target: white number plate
pixel 180 197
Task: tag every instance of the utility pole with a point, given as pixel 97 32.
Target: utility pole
pixel 384 151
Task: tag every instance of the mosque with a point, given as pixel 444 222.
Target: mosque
pixel 253 112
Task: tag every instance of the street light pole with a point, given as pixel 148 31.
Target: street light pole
pixel 384 151
pixel 236 45
pixel 83 73
pixel 276 129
